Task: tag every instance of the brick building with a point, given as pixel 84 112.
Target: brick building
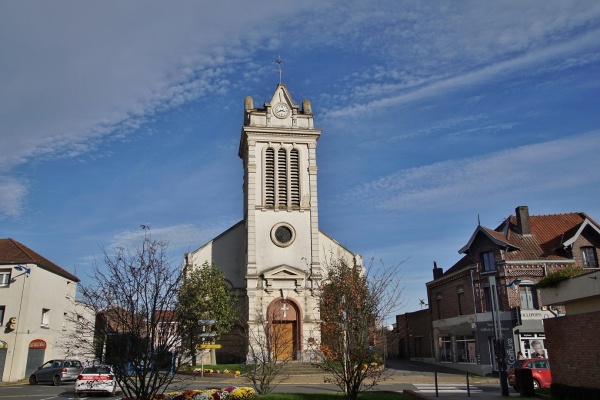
pixel 414 335
pixel 571 340
pixel 490 291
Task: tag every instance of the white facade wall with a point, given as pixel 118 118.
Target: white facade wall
pixel 25 299
pixel 264 270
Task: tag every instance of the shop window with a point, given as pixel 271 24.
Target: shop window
pixel 445 348
pixel 465 349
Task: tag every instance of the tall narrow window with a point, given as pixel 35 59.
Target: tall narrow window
pixel 439 306
pixel 489 264
pixel 529 300
pixel 270 177
pixel 282 185
pixel 488 298
pixel 2 310
pixel 461 299
pixel 588 257
pixel 295 177
pixel 45 317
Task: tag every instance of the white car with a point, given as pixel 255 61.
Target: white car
pixel 96 379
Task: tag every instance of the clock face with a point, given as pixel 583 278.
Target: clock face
pixel 281 110
pixel 283 234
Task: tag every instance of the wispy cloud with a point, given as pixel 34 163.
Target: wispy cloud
pixel 464 183
pixel 11 196
pixel 528 61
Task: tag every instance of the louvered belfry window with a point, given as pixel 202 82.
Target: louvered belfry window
pixel 282 177
pixel 282 192
pixel 294 178
pixel 270 177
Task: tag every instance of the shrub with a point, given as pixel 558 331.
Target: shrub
pixel 555 277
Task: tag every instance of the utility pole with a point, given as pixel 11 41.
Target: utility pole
pixel 500 350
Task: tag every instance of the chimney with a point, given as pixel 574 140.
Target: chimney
pixel 437 272
pixel 522 213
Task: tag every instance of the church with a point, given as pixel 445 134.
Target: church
pixel 275 258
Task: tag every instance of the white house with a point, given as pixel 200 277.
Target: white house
pixel 37 299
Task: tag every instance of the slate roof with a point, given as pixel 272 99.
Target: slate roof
pixel 548 235
pixel 13 252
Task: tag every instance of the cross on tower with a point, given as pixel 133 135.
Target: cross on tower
pixel 279 61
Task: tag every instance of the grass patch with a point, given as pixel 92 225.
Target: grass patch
pixel 332 396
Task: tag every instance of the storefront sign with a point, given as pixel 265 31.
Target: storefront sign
pixel 536 314
pixel 37 344
pixel 3 345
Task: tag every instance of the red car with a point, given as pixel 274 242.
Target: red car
pixel 540 369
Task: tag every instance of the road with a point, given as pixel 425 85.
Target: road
pixel 401 375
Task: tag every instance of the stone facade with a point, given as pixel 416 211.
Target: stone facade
pixel 276 256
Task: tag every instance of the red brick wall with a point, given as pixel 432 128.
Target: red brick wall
pixel 411 325
pixel 574 348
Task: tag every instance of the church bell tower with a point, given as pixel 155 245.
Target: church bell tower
pixel 278 149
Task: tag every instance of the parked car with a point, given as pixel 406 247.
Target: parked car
pixel 96 379
pixel 56 371
pixel 540 370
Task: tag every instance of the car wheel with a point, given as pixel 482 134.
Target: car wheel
pixel 32 380
pixel 536 384
pixel 56 381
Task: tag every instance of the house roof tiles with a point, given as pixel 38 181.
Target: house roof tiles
pixel 13 252
pixel 549 233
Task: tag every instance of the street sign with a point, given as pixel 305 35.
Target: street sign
pixel 208 346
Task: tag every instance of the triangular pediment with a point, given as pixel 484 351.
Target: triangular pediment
pixel 283 277
pixel 281 95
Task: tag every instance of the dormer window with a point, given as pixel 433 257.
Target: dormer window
pixel 588 257
pixel 488 261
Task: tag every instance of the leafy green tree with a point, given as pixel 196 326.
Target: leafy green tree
pixel 204 296
pixel 353 303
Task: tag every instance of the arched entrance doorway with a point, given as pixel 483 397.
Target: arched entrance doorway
pixel 284 320
pixel 35 356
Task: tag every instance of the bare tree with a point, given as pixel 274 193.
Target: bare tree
pixel 269 346
pixel 353 304
pixel 133 296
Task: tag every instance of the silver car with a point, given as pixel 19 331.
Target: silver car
pixel 56 371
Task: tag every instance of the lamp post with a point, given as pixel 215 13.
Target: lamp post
pixel 24 271
pixel 472 269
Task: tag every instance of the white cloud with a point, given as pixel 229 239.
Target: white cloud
pixel 530 60
pixel 549 167
pixel 11 196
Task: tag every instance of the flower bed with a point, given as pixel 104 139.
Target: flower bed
pixel 215 371
pixel 229 393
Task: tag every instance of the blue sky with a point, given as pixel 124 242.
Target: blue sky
pixel 118 114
